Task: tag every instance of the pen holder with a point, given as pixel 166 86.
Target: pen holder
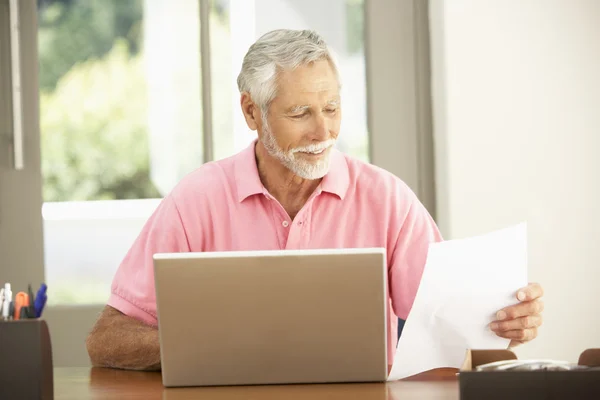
pixel 26 360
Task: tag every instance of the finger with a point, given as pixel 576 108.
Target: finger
pixel 524 309
pixel 522 335
pixel 530 292
pixel 515 343
pixel 528 322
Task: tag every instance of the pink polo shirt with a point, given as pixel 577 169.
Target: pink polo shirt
pixel 223 206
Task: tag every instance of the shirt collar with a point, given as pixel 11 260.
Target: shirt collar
pixel 248 181
pixel 337 179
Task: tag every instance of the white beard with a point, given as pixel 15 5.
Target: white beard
pixel 302 168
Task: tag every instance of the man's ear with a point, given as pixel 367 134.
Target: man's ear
pixel 250 110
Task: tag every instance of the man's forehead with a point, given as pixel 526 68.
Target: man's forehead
pixel 309 85
pixel 307 94
pixel 310 94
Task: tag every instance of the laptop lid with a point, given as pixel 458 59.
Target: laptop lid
pixel 272 317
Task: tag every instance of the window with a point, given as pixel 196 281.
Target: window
pixel 120 122
pixel 121 113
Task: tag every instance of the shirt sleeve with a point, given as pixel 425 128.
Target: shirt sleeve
pixel 409 256
pixel 132 290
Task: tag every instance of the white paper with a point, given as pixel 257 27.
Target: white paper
pixel 464 283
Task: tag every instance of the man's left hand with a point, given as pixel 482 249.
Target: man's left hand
pixel 520 322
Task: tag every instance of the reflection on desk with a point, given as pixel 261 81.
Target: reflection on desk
pixel 108 384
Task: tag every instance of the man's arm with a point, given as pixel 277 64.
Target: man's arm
pixel 409 255
pixel 125 335
pixel 119 341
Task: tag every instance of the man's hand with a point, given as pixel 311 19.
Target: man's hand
pixel 521 321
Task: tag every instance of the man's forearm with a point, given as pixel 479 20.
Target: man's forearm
pixel 119 341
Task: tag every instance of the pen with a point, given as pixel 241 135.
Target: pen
pixel 31 308
pixel 25 313
pixel 21 303
pixel 40 300
pixel 7 301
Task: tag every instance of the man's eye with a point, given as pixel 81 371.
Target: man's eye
pixel 330 110
pixel 298 116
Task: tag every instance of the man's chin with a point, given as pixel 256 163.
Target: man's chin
pixel 310 171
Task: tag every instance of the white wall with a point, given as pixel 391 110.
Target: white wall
pixel 517 137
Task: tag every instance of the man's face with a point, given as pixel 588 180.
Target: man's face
pixel 304 119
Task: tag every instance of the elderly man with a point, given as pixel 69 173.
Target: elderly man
pixel 290 189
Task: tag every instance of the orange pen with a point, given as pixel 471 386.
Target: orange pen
pixel 21 300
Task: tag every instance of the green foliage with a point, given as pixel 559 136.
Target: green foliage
pixel 93 101
pixel 93 110
pixel 71 31
pixel 94 131
pixel 355 25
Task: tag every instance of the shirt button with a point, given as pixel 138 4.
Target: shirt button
pixel 285 224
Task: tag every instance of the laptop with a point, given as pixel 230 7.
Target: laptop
pixel 272 317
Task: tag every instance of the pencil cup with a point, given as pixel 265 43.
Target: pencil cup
pixel 25 360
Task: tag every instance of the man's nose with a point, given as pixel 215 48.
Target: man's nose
pixel 321 129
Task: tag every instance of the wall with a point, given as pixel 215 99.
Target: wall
pixel 398 92
pixel 21 248
pixel 516 99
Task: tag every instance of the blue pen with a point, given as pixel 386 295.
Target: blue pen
pixel 40 300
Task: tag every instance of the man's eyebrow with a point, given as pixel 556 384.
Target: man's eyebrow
pixel 297 109
pixel 302 108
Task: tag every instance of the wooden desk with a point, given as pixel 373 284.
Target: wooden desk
pixel 109 384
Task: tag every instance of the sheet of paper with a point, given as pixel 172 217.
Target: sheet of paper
pixel 464 283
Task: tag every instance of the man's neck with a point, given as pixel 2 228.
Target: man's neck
pixel 289 189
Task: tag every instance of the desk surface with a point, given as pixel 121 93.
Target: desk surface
pixel 108 384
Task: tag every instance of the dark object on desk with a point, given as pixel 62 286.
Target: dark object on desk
pixel 26 313
pixel 531 385
pixel 31 309
pixel 26 370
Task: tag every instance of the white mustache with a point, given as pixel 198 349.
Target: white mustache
pixel 314 148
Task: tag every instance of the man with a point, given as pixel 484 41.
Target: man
pixel 289 190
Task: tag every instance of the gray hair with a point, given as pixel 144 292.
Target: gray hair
pixel 279 49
